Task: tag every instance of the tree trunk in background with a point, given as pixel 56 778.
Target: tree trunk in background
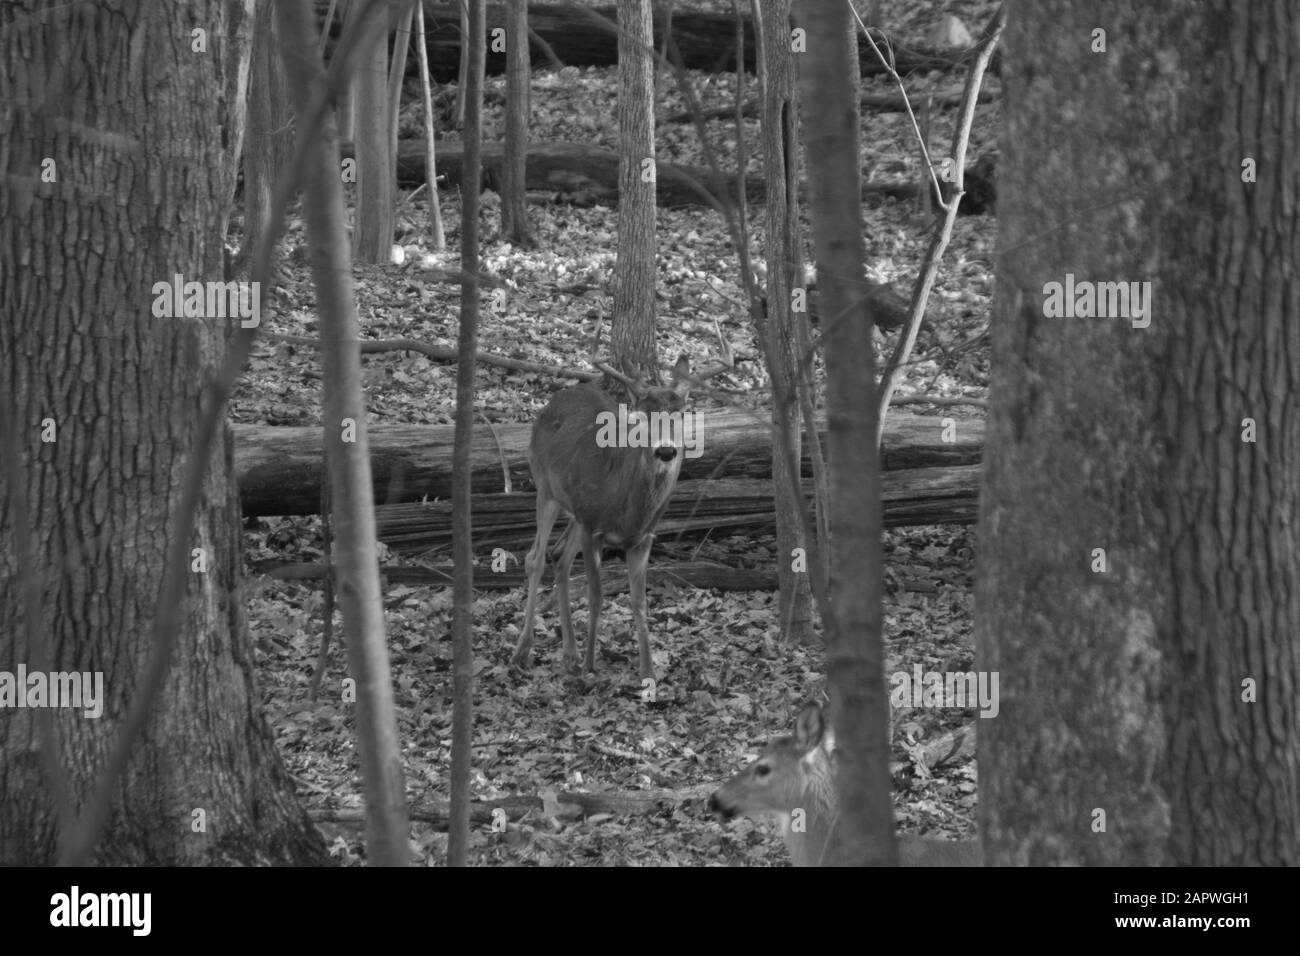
pixel 854 650
pixel 268 143
pixel 514 206
pixel 1136 589
pixel 784 271
pixel 401 40
pixel 346 109
pixel 632 334
pixel 102 396
pixel 372 212
pixel 437 234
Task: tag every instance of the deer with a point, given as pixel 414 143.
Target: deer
pixel 614 497
pixel 797 772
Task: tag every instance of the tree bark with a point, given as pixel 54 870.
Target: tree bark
pixel 785 272
pixel 268 142
pixel 632 332
pixel 373 208
pixel 151 143
pixel 1136 583
pixel 514 208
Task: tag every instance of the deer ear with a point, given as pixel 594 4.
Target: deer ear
pixel 809 727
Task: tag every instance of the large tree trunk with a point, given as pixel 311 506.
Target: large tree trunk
pixel 1138 561
pixel 106 392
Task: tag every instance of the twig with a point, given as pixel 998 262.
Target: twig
pixel 930 267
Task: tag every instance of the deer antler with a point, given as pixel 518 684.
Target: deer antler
pixel 634 386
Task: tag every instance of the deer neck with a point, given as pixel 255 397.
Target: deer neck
pixel 820 811
pixel 655 482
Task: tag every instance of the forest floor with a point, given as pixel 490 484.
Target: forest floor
pixel 727 680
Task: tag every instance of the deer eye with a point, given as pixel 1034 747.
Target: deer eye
pixel 762 770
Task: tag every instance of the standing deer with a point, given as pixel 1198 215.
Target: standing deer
pixel 798 773
pixel 612 495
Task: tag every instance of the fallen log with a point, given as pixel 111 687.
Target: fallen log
pixel 885 103
pixel 717 577
pixel 909 497
pixel 588 176
pixel 569 35
pixel 580 174
pixel 278 469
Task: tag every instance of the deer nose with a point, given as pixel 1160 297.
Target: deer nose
pixel 666 453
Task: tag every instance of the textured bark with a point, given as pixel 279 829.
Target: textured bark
pixel 514 208
pixel 1122 689
pixel 145 157
pixel 268 141
pixel 784 271
pixel 632 333
pixel 373 199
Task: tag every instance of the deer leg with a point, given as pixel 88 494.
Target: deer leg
pixel 534 565
pixel 638 557
pixel 571 542
pixel 591 560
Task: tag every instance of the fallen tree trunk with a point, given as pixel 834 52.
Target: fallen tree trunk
pixel 568 35
pixel 580 174
pixel 565 805
pixel 911 496
pixel 278 469
pixel 613 579
pixel 885 103
pixel 588 176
